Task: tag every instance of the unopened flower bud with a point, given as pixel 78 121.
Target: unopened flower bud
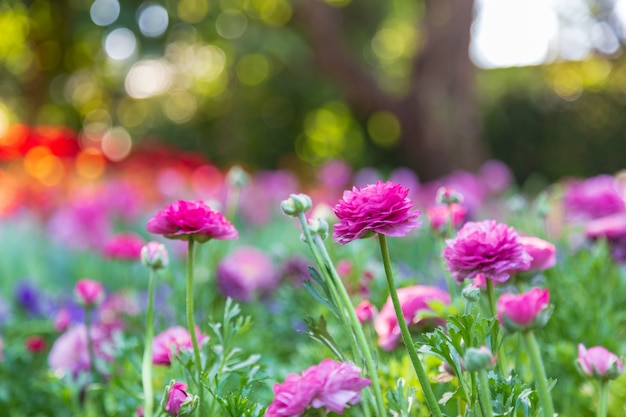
pixel 471 293
pixel 236 176
pixel 599 363
pixel 319 227
pixel 365 311
pixel 295 204
pixel 446 195
pixel 89 293
pixel 154 255
pixel 478 359
pixel 177 402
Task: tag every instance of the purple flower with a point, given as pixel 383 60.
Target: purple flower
pixel 195 220
pixel 594 197
pixel 413 300
pixel 524 311
pixel 245 273
pixel 598 362
pixel 28 297
pixel 377 208
pixel 486 247
pixel 124 246
pixel 331 384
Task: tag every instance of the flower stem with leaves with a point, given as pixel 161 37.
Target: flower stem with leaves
pixel 191 323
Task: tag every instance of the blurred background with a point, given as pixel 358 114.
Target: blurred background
pixel 433 85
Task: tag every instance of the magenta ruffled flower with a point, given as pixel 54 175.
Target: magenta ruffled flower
pixel 413 300
pixel 597 362
pixel 377 208
pixel 124 246
pixel 486 247
pixel 529 310
pixel 195 220
pixel 245 273
pixel 331 385
pixel 171 341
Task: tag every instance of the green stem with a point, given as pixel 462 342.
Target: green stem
pixel 484 393
pixel 603 402
pixel 146 369
pixel 92 361
pixel 496 347
pixel 540 374
pixel 356 326
pixel 191 324
pixel 431 401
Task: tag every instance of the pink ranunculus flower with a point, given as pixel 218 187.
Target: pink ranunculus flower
pixel 440 215
pixel 179 402
pixel 89 293
pixel 594 197
pixel 365 311
pixel 331 385
pixel 413 300
pixel 245 273
pixel 488 248
pixel 195 220
pixel 598 362
pixel 124 246
pixel 543 253
pixel 377 208
pixel 526 311
pixel 171 341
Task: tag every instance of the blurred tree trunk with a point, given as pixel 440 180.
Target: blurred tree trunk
pixel 441 129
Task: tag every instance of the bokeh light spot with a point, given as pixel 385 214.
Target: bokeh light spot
pixel 120 44
pixel 90 163
pixel 192 11
pixel 116 144
pixel 253 69
pixel 231 24
pixel 152 20
pixel 132 113
pixel 148 78
pixel 388 44
pixel 180 106
pixel 568 84
pixel 104 12
pixel 41 164
pixel 384 129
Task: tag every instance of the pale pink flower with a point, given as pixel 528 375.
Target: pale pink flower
pixel 598 362
pixel 62 319
pixel 195 220
pixel 69 353
pixel 245 273
pixel 89 293
pixel 529 310
pixel 496 176
pixel 488 248
pixel 543 253
pixel 413 300
pixel 116 307
pixel 365 311
pixel 441 215
pixel 171 341
pixel 124 246
pixel 377 208
pixel 154 255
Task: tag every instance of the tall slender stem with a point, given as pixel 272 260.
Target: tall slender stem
pixel 431 401
pixel 356 326
pixel 191 324
pixel 146 368
pixel 484 393
pixel 501 358
pixel 540 374
pixel 92 361
pixel 603 401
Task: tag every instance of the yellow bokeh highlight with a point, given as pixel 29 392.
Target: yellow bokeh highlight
pixel 192 11
pixel 90 163
pixel 567 83
pixel 252 69
pixel 132 113
pixel 384 129
pixel 41 164
pixel 388 44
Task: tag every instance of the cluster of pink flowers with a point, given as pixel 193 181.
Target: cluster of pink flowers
pixel 331 385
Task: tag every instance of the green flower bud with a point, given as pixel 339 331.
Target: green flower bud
pixel 295 204
pixel 478 359
pixel 319 226
pixel 154 255
pixel 237 177
pixel 471 293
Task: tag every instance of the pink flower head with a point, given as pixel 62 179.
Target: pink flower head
pixel 245 273
pixel 543 253
pixel 414 299
pixel 70 354
pixel 529 310
pixel 365 311
pixel 331 384
pixel 377 208
pixel 179 401
pixel 62 319
pixel 486 247
pixel 171 341
pixel 154 255
pixel 597 362
pixel 440 215
pixel 195 220
pixel 610 227
pixel 594 197
pixel 89 293
pixel 124 246
pixel 35 344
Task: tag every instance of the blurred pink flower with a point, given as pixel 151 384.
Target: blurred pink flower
pixel 413 300
pixel 195 220
pixel 154 255
pixel 496 176
pixel 488 248
pixel 594 197
pixel 331 384
pixel 260 200
pixel 171 341
pixel 89 293
pixel 35 344
pixel 377 208
pixel 178 398
pixel 529 310
pixel 598 362
pixel 335 174
pixel 365 311
pixel 440 215
pixel 610 227
pixel 124 246
pixel 245 273
pixel 69 353
pixel 62 319
pixel 116 307
pixel 543 253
